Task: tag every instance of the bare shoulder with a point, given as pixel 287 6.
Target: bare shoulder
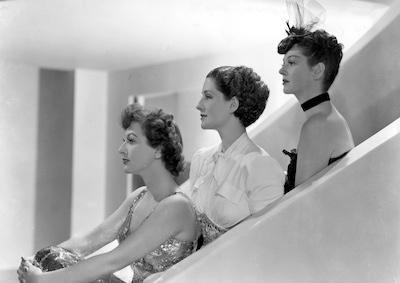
pixel 132 195
pixel 330 133
pixel 177 205
pixel 329 125
pixel 317 126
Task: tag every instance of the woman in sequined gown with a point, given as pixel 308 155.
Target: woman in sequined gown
pixel 156 226
pixel 236 178
pixel 310 64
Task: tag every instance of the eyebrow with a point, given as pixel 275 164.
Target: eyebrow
pixel 296 56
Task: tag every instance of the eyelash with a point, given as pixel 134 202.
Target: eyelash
pixel 128 140
pixel 290 63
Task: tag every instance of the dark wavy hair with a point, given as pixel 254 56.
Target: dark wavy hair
pixel 244 84
pixel 161 132
pixel 318 46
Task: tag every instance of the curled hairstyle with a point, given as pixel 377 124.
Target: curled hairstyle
pixel 318 46
pixel 244 84
pixel 161 132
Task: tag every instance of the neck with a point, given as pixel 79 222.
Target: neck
pixel 230 133
pixel 159 182
pixel 317 104
pixel 316 100
pixel 309 93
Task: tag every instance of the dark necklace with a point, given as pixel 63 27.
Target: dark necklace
pixel 315 101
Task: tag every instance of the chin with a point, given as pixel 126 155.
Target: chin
pixel 127 170
pixel 204 126
pixel 287 91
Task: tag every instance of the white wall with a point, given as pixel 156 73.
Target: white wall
pixel 368 87
pixel 18 134
pixel 90 147
pixel 36 159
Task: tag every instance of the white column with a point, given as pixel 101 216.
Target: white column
pixel 89 150
pixel 18 147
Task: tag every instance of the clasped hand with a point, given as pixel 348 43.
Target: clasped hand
pixel 27 272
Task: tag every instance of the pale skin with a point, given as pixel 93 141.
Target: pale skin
pixel 325 133
pixel 168 215
pixel 217 113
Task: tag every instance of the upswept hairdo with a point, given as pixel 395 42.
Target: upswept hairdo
pixel 244 84
pixel 161 131
pixel 318 46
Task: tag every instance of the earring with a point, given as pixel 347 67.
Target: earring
pixel 157 154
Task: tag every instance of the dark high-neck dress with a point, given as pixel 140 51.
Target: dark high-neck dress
pixel 291 169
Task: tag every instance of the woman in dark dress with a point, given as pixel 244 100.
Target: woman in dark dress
pixel 310 65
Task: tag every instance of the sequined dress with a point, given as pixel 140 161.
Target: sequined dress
pixel 167 254
pixel 209 230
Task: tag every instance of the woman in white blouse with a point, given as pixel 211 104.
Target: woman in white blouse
pixel 236 178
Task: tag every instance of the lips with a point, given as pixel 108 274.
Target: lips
pixel 202 116
pixel 125 161
pixel 284 81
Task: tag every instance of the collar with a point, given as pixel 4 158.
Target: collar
pixel 237 146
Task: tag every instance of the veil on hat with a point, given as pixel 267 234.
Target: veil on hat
pixel 304 16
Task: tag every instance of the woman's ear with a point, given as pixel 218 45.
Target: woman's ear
pixel 234 104
pixel 318 71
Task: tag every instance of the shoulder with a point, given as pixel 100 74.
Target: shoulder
pixel 318 129
pixel 316 123
pixel 332 123
pixel 325 129
pixel 260 163
pixel 136 193
pixel 200 157
pixel 259 157
pixel 177 206
pixel 204 152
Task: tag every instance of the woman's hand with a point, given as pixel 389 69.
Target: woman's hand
pixel 22 267
pixel 27 272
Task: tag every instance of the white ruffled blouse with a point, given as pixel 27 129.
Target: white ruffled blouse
pixel 229 186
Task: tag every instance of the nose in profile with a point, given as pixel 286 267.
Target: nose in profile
pixel 200 105
pixel 282 70
pixel 121 149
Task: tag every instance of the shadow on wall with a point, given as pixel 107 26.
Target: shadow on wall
pixel 367 121
pixel 54 158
